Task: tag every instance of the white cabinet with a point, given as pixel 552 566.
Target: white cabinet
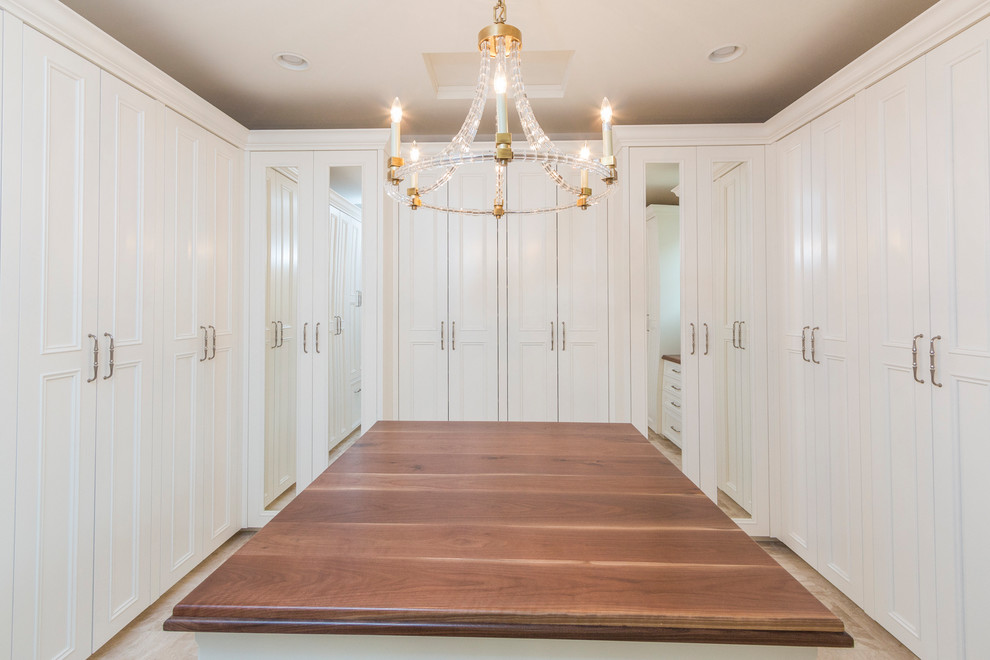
pixel 280 378
pixel 59 331
pixel 557 306
pixel 200 401
pixel 448 305
pixel 900 397
pixel 672 402
pixel 821 512
pixel 958 90
pixel 125 580
pixel 343 278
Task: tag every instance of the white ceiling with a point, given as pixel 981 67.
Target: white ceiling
pixel 648 56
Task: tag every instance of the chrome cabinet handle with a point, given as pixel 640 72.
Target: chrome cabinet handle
pixel 675 388
pixel 281 334
pixel 693 344
pixel 674 429
pixel 734 324
pixel 647 322
pixel 914 358
pixel 110 361
pixel 441 335
pixel 275 334
pixel 813 331
pixel 214 353
pixel 706 338
pixel 453 339
pixel 340 324
pixel 551 335
pixel 563 335
pixel 206 344
pixel 741 324
pixel 305 326
pixel 931 359
pixel 676 371
pixel 804 343
pixel 360 298
pixel 96 358
pixel 317 337
pixel 675 404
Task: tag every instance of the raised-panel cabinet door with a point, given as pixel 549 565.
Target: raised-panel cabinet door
pixel 900 398
pixel 582 312
pixel 797 449
pixel 353 302
pixel 836 351
pixel 219 232
pixel 534 334
pixel 959 179
pixel 424 334
pixel 56 423
pixel 653 320
pixel 185 349
pixel 130 245
pixel 472 272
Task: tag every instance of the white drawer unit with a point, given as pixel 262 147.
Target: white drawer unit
pixel 671 402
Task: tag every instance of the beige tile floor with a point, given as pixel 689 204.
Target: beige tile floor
pixel 145 639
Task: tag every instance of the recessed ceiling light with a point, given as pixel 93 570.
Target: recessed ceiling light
pixel 291 61
pixel 726 53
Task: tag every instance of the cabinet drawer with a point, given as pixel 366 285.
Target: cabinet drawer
pixel 671 370
pixel 672 400
pixel 670 425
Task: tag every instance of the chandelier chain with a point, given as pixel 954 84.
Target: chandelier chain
pixel 499 11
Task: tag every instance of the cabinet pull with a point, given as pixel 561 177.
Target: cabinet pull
pixel 741 324
pixel 675 404
pixel 441 335
pixel 275 334
pixel 804 343
pixel 96 358
pixel 931 359
pixel 340 324
pixel 360 299
pixel 317 337
pixel 206 343
pixel 281 334
pixel 676 371
pixel 110 361
pixel 674 429
pixel 914 358
pixel 706 338
pixel 214 347
pixel 563 335
pixel 734 324
pixel 305 325
pixel 675 388
pixel 551 335
pixel 453 331
pixel 813 352
pixel 693 343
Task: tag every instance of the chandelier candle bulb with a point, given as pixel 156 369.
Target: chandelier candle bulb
pixel 501 112
pixel 606 128
pixel 396 118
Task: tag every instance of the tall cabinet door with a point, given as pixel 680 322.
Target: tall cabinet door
pixel 900 398
pixel 56 423
pixel 797 449
pixel 582 312
pixel 423 331
pixel 186 344
pixel 221 391
pixel 959 175
pixel 835 362
pixel 473 298
pixel 130 238
pixel 533 333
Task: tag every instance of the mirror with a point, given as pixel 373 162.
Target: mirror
pixel 313 324
pixel 732 227
pixel 663 320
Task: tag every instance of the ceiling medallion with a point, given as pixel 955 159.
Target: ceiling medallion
pixel 500 44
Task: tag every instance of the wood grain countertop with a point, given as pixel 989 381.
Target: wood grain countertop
pixel 676 359
pixel 494 529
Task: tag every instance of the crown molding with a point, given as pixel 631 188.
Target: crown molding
pixel 318 139
pixel 690 135
pixel 928 30
pixel 68 28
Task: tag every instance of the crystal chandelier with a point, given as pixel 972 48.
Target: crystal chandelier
pixel 500 70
